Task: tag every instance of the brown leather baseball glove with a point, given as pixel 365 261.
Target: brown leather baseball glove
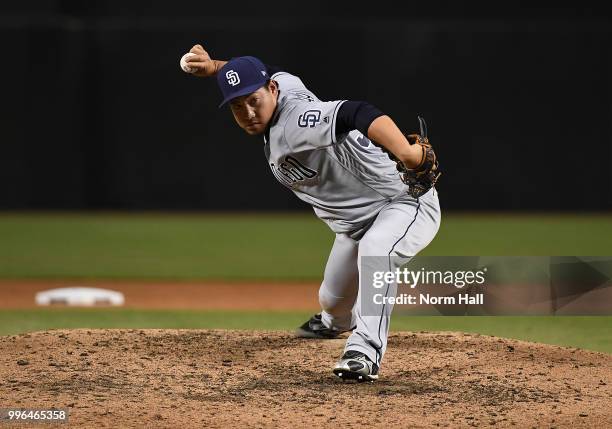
pixel 423 177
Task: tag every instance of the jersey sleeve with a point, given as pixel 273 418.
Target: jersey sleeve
pixel 288 82
pixel 312 125
pixel 293 87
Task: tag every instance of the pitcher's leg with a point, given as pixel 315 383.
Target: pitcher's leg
pixel 338 291
pixel 401 230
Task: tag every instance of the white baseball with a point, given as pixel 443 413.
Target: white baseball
pixel 184 66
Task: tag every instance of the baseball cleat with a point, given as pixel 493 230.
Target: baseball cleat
pixel 354 365
pixel 314 328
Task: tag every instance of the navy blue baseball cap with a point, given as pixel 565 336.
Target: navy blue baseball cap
pixel 241 76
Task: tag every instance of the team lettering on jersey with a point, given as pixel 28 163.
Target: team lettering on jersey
pixel 291 171
pixel 304 95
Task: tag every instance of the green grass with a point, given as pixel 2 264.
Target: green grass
pixel 17 321
pixel 254 246
pixel 584 332
pixel 587 332
pixel 162 246
pixel 270 247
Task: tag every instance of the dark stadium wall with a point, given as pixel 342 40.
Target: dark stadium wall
pixel 96 113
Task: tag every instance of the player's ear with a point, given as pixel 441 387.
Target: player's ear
pixel 272 86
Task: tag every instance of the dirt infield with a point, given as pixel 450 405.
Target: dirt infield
pixel 199 378
pixel 177 295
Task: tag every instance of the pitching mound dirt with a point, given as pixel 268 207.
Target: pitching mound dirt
pixel 189 378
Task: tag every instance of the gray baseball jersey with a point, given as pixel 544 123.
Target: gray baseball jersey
pixel 355 188
pixel 346 180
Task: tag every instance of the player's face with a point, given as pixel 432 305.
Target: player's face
pixel 253 112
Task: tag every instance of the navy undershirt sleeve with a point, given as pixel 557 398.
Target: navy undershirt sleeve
pixel 355 115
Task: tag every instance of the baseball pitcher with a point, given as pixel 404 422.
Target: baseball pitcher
pixel 373 186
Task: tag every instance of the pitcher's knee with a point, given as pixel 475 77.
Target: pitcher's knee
pixel 335 305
